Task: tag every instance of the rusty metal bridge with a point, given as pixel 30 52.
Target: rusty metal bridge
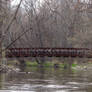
pixel 48 52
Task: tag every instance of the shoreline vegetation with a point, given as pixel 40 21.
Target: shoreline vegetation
pixel 35 64
pixel 14 66
pixel 51 64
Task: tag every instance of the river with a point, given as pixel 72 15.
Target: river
pixel 35 79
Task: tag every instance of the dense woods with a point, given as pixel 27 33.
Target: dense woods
pixel 47 23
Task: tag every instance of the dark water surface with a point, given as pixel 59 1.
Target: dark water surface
pixel 47 80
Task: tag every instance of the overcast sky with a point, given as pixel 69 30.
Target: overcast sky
pixel 15 2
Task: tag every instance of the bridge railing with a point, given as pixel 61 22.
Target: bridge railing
pixel 50 52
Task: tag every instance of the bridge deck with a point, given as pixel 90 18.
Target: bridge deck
pixel 49 52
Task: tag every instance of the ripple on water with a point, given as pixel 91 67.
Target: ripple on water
pixel 57 86
pixel 79 83
pixel 14 91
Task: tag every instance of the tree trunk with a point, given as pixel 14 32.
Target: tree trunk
pixel 1 23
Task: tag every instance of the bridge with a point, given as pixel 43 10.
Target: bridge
pixel 48 52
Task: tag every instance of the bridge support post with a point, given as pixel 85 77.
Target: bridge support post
pixel 4 60
pixel 68 63
pixel 22 64
pixel 40 61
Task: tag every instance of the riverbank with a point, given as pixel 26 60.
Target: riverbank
pixel 50 64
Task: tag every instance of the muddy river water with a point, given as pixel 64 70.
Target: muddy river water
pixel 47 80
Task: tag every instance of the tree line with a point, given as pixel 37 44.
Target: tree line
pixel 47 23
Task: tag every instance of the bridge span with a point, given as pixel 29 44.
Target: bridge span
pixel 48 52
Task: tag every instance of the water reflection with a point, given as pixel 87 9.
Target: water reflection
pixel 47 80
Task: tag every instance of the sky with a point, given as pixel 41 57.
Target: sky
pixel 15 2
